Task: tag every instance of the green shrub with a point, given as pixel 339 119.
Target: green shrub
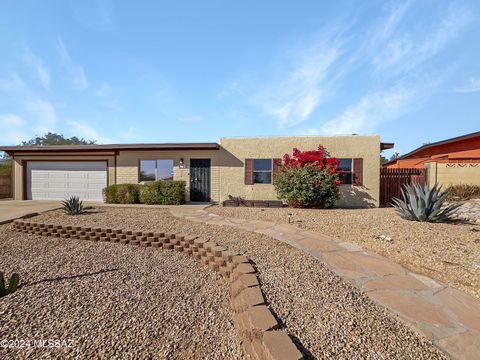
pixel 165 192
pixel 307 186
pixel 122 194
pixel 150 193
pixel 307 179
pixel 463 192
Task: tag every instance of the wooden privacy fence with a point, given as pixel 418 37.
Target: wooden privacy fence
pixel 393 180
pixel 5 186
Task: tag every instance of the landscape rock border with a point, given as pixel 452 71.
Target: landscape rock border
pixel 256 326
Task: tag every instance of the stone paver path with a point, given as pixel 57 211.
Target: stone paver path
pixel 450 318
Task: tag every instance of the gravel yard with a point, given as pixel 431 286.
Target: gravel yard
pixel 108 300
pixel 446 252
pixel 328 317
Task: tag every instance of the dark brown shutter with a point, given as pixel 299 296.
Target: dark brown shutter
pixel 248 171
pixel 358 172
pixel 276 164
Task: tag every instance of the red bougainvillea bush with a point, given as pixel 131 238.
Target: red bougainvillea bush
pixel 308 179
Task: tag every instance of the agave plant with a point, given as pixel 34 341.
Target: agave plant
pixel 12 284
pixel 422 203
pixel 73 205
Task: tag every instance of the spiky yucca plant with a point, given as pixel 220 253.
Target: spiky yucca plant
pixel 422 203
pixel 73 205
pixel 12 284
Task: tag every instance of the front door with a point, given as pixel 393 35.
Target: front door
pixel 200 180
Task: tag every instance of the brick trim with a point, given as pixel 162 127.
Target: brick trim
pixel 256 326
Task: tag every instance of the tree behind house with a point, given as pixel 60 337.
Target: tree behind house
pixel 56 139
pixel 47 139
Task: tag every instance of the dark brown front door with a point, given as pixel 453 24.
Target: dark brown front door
pixel 200 180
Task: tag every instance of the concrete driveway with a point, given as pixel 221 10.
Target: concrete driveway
pixel 14 209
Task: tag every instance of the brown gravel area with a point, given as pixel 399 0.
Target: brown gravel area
pixel 327 316
pixel 449 253
pixel 112 301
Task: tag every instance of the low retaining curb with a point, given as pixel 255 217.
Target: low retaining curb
pixel 254 322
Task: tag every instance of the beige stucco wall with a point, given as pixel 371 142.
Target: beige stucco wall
pixel 128 166
pixel 19 161
pixel 234 151
pixel 454 173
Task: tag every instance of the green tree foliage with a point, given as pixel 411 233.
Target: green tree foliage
pixel 5 167
pixel 47 139
pixel 56 139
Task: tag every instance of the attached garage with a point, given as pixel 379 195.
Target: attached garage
pixel 57 180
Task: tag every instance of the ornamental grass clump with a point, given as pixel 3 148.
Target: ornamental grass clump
pixel 422 203
pixel 12 284
pixel 308 179
pixel 73 206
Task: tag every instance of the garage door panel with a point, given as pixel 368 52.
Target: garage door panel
pixel 56 175
pixel 58 180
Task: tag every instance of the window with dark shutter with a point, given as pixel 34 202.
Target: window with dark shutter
pixel 277 163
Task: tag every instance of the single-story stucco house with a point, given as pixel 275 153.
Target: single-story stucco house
pixel 237 166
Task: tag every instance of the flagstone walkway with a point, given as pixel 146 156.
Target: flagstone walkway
pixel 448 317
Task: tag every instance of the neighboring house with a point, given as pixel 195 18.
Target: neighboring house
pixel 241 166
pixel 448 162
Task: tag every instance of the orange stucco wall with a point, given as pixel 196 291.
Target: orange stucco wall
pixel 467 149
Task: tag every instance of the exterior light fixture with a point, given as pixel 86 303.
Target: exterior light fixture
pixel 181 164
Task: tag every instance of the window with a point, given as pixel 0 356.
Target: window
pixel 151 170
pixel 147 170
pixel 262 171
pixel 164 169
pixel 345 171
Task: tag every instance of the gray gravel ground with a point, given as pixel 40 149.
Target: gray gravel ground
pixel 329 317
pixel 448 252
pixel 112 301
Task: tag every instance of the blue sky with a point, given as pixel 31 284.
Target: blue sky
pixel 173 71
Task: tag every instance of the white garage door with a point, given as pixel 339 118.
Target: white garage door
pixel 61 179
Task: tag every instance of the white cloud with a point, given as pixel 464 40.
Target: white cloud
pixel 292 97
pixel 87 131
pixel 43 115
pixel 43 111
pixel 402 51
pixel 75 70
pixel 13 129
pixel 395 17
pixel 371 111
pixel 190 119
pixel 11 83
pixel 473 85
pixel 37 66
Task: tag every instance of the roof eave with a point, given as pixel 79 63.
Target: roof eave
pixel 10 150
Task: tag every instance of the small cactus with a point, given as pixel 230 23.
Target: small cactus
pixel 73 205
pixel 12 284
